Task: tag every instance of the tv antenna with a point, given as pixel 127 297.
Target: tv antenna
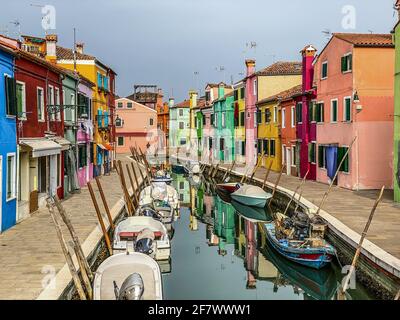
pixel 17 24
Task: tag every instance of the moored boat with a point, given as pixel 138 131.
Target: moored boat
pixel 251 196
pixel 128 276
pixel 146 235
pixel 229 187
pixel 252 214
pixel 301 251
pixel 159 191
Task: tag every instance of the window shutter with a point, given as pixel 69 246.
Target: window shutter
pixel 99 119
pixel 11 98
pixel 258 116
pixel 19 100
pixel 243 148
pixel 322 113
pixel 343 64
pixel 350 61
pixel 320 156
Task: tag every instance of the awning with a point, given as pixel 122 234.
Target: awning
pixel 64 143
pixel 41 147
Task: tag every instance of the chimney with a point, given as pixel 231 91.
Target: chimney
pixel 250 67
pixel 171 102
pixel 51 44
pixel 221 90
pixel 193 99
pixel 79 47
pixel 308 54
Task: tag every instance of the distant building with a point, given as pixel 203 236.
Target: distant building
pixel 148 95
pixel 136 125
pixel 179 128
pixel 163 124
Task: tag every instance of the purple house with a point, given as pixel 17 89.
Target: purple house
pixel 306 127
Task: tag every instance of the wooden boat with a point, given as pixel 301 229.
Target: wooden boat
pixel 251 196
pixel 146 235
pixel 128 276
pixel 159 191
pixel 300 251
pixel 252 214
pixel 229 187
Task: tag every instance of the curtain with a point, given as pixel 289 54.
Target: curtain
pixel 331 154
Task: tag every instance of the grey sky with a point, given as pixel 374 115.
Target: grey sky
pixel 164 42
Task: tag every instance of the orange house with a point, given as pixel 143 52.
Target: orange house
pixel 163 120
pixel 136 125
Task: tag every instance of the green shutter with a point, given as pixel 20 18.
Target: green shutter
pixel 348 110
pixel 340 154
pixel 19 100
pixel 343 64
pixel 320 156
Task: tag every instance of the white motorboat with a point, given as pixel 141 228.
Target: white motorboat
pixel 158 210
pixel 145 235
pixel 159 191
pixel 128 276
pixel 251 196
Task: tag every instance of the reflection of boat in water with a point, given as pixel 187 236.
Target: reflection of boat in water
pixel 253 214
pixel 225 196
pixel 179 169
pixel 320 285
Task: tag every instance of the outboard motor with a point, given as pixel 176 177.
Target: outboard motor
pixel 132 288
pixel 144 241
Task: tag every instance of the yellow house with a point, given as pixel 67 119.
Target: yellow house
pixel 239 114
pixel 102 101
pixel 271 81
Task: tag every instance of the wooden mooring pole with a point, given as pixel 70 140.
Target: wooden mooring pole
pixel 297 189
pixel 228 172
pixel 266 175
pixel 100 218
pixel 257 166
pixel 359 247
pixel 277 183
pixel 128 199
pixel 132 185
pixel 105 204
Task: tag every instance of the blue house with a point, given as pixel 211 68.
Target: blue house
pixel 8 140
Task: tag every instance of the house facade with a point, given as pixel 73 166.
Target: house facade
pixel 8 141
pixel 355 103
pixel 163 123
pixel 179 115
pixel 136 126
pixel 239 121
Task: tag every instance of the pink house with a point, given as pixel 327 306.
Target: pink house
pixel 354 76
pixel 250 112
pixel 136 125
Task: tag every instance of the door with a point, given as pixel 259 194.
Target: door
pixel 288 160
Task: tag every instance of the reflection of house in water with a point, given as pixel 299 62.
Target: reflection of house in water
pixel 182 186
pixel 224 224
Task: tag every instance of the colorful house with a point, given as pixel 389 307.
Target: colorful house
pixel 179 129
pixel 8 140
pixel 239 121
pixel 224 148
pixel 163 124
pixel 224 224
pixel 272 83
pixel 355 103
pixel 103 99
pixel 194 108
pixel 287 107
pixel 136 126
pixel 200 122
pixel 305 118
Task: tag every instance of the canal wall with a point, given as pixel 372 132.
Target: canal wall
pixel 378 270
pixel 62 286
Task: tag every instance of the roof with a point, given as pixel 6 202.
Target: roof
pixel 135 103
pixel 216 85
pixel 284 95
pixel 183 104
pixel 68 54
pixel 229 94
pixel 366 39
pixel 281 68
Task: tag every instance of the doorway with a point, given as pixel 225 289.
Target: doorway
pixel 42 161
pixel 288 160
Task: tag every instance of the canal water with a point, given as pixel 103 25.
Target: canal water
pixel 219 254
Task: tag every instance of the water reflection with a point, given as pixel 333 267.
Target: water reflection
pixel 220 252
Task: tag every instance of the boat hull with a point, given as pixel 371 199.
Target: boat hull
pixel 249 201
pixel 227 187
pixel 316 258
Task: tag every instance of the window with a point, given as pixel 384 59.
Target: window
pixel 265 147
pixel 11 181
pixel 311 152
pixel 243 148
pixel 259 146
pixel 50 102
pixel 223 119
pixel 242 93
pixel 57 102
pixel 216 120
pixel 99 80
pixel 272 148
pixel 181 185
pixel 183 141
pixel 241 123
pixel 210 143
pixel 212 119
pixel 221 144
pixel 181 112
pixel 340 155
pixel 292 117
pixel 120 105
pixel 275 114
pixel 299 112
pixel 319 112
pixel 283 118
pixel 118 122
pixel 120 141
pixel 311 111
pixel 129 105
pixel 347 109
pixel 258 116
pixel 321 157
pixel 151 121
pixel 10 86
pixel 72 109
pixel 21 100
pixel 347 63
pixel 236 95
pixel 83 106
pixel 40 104
pixel 208 98
pixel 294 156
pixel 82 155
pixel 324 74
pixel 334 110
pixel 181 125
pixel 267 115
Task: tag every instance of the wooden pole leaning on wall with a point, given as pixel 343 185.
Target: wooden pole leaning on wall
pixel 128 200
pixel 244 175
pixel 67 255
pixel 257 166
pixel 144 181
pixel 228 172
pixel 138 185
pixel 295 192
pixel 115 166
pixel 267 175
pixel 105 204
pixel 132 185
pixel 359 247
pixel 100 218
pixel 334 177
pixel 216 169
pixel 277 183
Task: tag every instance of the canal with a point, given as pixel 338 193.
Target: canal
pixel 219 254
